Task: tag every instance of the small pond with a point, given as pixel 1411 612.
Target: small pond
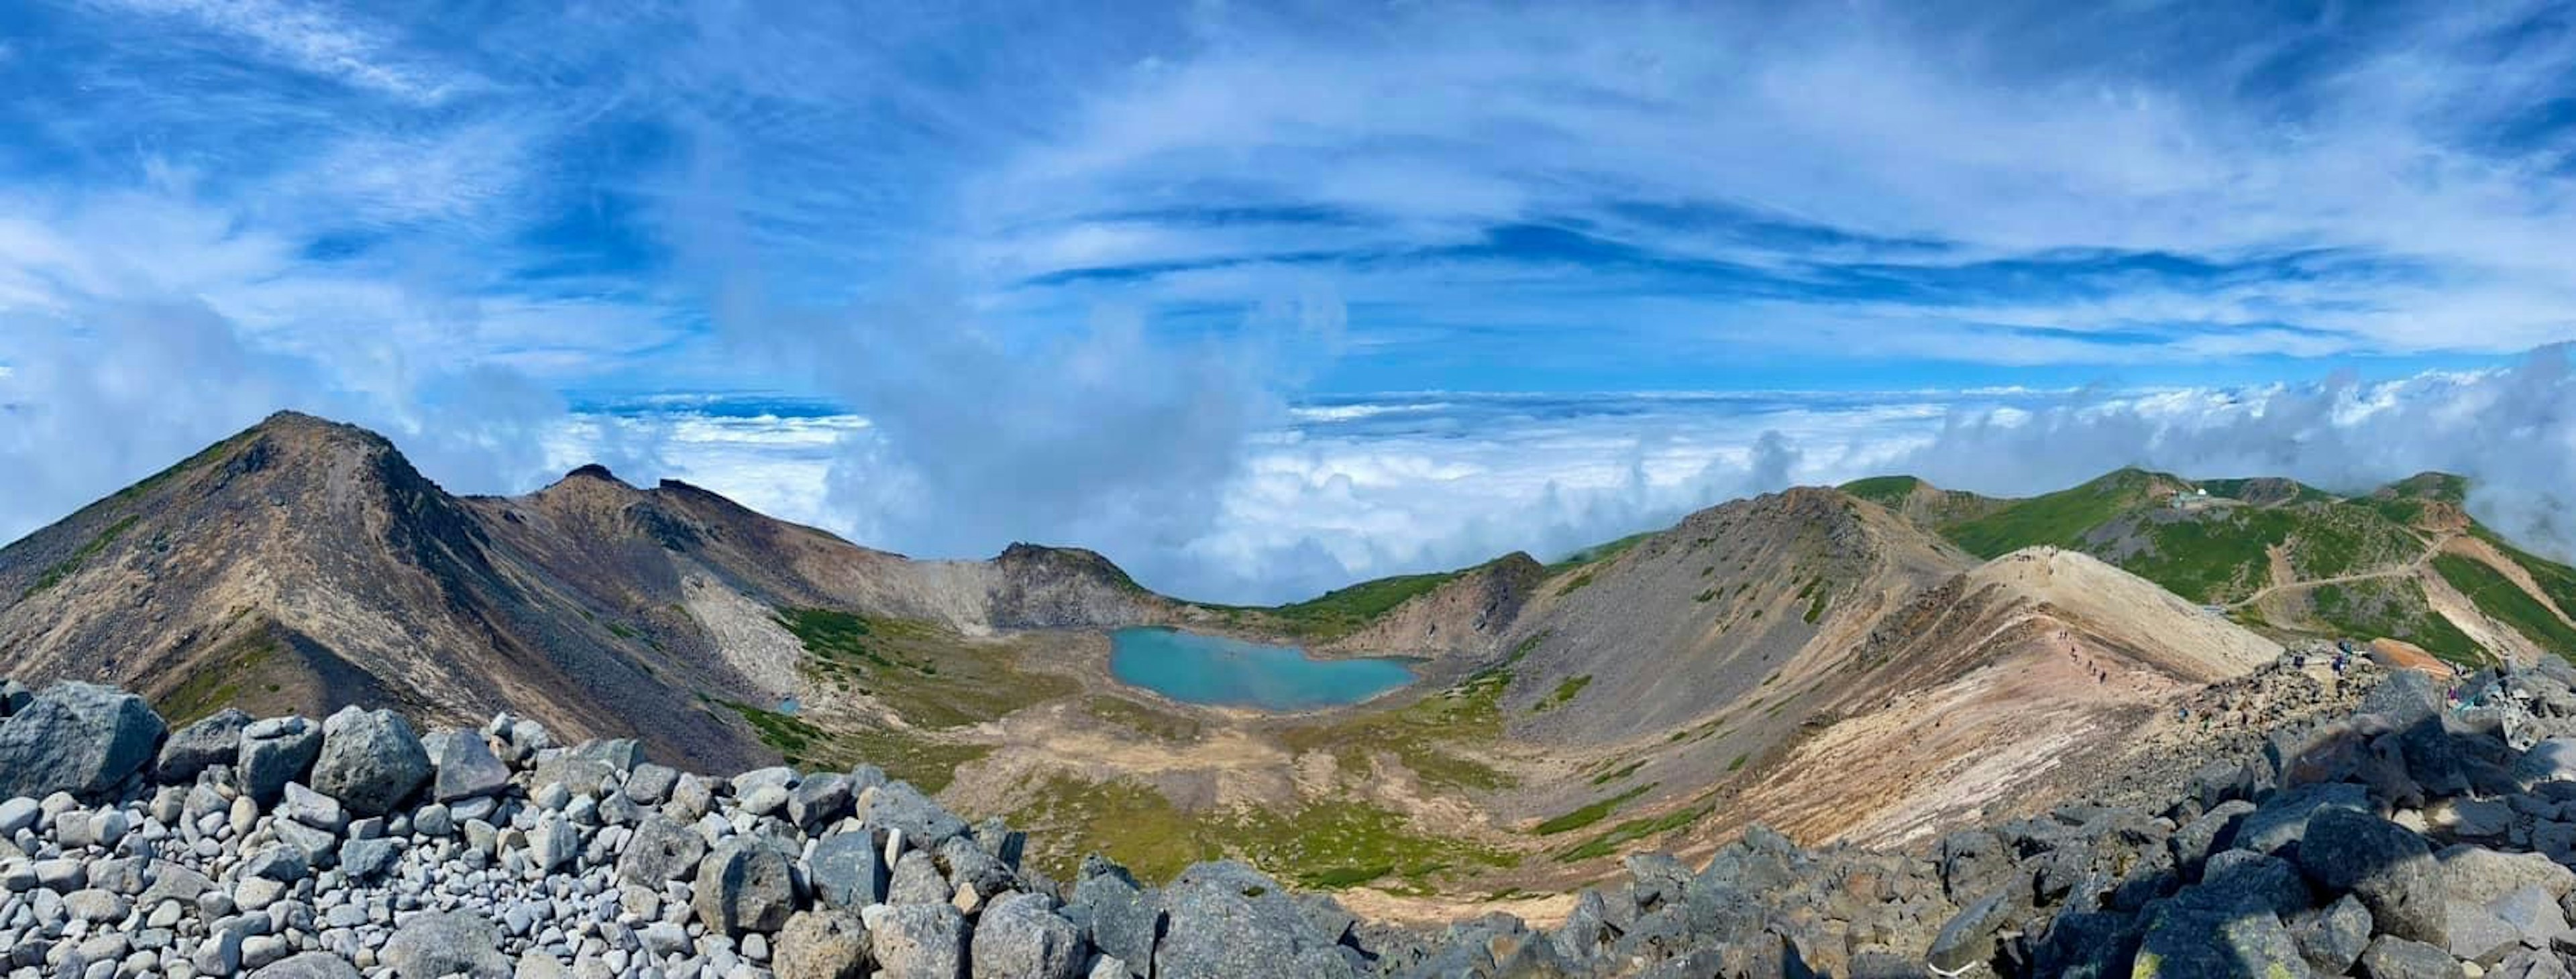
pixel 1202 669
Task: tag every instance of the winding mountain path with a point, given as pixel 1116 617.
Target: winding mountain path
pixel 2390 571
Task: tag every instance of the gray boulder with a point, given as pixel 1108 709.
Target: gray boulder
pixel 77 738
pixel 1121 918
pixel 1969 937
pixel 447 943
pixel 2391 957
pixel 744 885
pixel 2383 864
pixel 2479 875
pixel 897 805
pixel 2197 942
pixel 921 941
pixel 2214 831
pixel 916 880
pixel 275 751
pixel 1020 937
pixel 466 768
pixel 1229 920
pixel 2534 915
pixel 584 767
pixel 2283 820
pixel 308 965
pixel 2477 935
pixel 819 800
pixel 662 851
pixel 847 871
pixel 213 740
pixel 2333 939
pixel 370 760
pixel 821 945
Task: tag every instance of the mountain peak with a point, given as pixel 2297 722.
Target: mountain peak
pixel 592 471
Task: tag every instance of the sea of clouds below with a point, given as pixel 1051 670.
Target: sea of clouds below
pixel 1339 489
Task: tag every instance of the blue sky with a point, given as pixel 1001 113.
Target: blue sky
pixel 1110 246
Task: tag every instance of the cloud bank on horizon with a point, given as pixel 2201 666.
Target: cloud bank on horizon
pixel 1102 274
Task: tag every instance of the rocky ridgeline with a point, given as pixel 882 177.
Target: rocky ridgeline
pixel 2401 837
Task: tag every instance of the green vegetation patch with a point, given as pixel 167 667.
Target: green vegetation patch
pixel 1598 553
pixel 2556 580
pixel 791 736
pixel 216 684
pixel 1593 813
pixel 1631 831
pixel 66 567
pixel 2502 600
pixel 2392 607
pixel 1564 693
pixel 1141 719
pixel 1423 734
pixel 1630 768
pixel 1887 491
pixel 1326 846
pixel 2059 519
pixel 934 678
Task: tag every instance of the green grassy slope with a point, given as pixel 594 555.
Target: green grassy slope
pixel 2219 550
pixel 2058 519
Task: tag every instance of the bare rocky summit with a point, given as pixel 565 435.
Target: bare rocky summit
pixel 303 566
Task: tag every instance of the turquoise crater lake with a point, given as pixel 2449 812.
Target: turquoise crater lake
pixel 1202 669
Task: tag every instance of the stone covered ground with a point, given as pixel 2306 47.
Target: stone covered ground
pixel 2406 836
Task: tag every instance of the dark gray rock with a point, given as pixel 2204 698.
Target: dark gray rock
pixel 275 751
pixel 1020 936
pixel 2333 939
pixel 1226 919
pixel 1974 863
pixel 649 784
pixel 920 941
pixel 1121 918
pixel 466 768
pixel 818 800
pixel 210 741
pixel 2383 864
pixel 2391 957
pixel 847 871
pixel 969 865
pixel 744 885
pixel 77 738
pixel 308 965
pixel 1969 937
pixel 447 943
pixel 2283 820
pixel 370 760
pixel 2086 945
pixel 2214 831
pixel 661 851
pixel 587 766
pixel 2243 880
pixel 897 805
pixel 368 860
pixel 2186 942
pixel 2529 963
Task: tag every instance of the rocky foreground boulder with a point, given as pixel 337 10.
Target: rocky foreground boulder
pixel 2411 838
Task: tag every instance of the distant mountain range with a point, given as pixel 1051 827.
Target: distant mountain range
pixel 1879 661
